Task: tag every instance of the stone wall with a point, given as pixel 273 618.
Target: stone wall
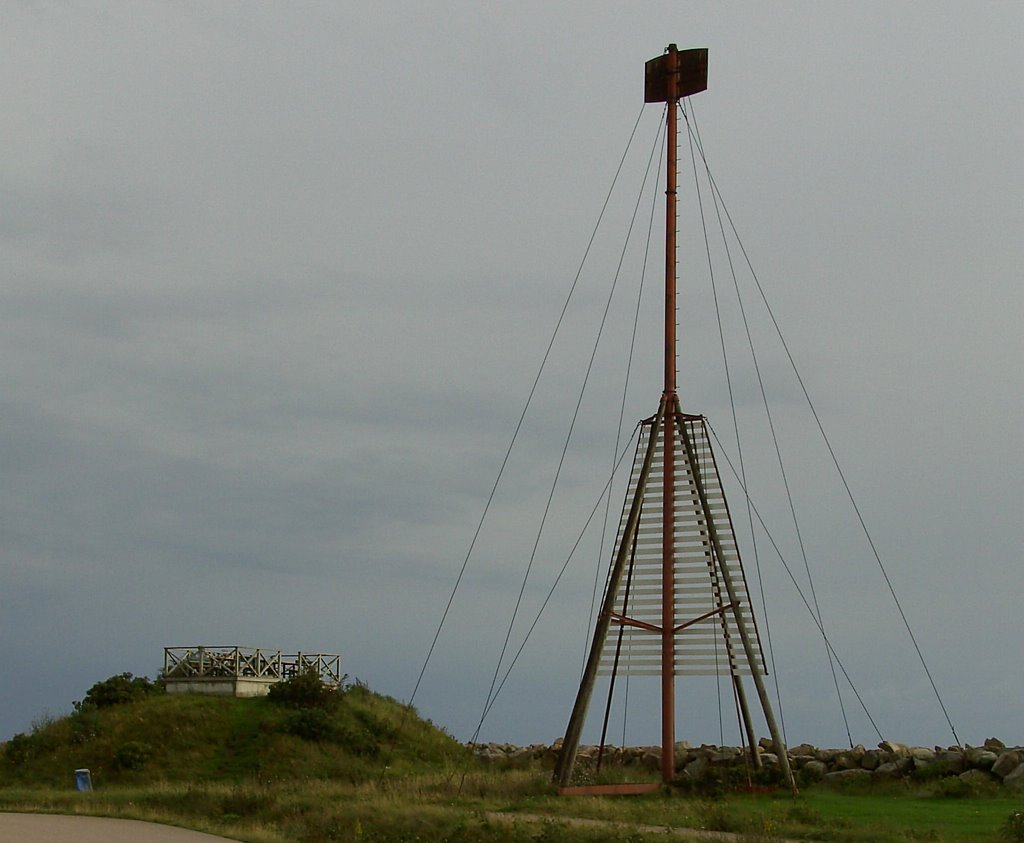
pixel 991 762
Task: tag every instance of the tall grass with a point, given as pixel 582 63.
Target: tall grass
pixel 195 738
pixel 375 772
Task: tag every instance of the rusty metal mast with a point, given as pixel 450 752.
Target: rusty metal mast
pixel 671 435
pixel 668 68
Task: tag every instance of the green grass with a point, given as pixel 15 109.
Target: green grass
pixel 380 774
pixel 194 738
pixel 422 807
pixel 818 814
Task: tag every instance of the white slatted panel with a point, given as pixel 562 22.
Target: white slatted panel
pixel 699 585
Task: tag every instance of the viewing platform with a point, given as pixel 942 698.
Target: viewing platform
pixel 241 671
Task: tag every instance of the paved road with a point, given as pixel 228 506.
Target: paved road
pixel 54 828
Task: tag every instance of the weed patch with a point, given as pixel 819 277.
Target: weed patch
pixel 1012 830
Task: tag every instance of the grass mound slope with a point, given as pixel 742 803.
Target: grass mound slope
pixel 148 736
pixel 307 764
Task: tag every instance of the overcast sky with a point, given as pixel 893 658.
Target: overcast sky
pixel 276 280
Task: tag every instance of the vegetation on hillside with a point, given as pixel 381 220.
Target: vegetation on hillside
pixel 127 732
pixel 117 690
pixel 309 764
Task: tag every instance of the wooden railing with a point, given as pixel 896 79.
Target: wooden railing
pixel 247 663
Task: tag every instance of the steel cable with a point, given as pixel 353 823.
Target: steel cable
pixel 832 453
pixel 796 585
pixel 568 437
pixel 522 417
pixel 768 415
pixel 625 390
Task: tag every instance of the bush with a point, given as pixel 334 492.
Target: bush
pixel 954 788
pixel 304 690
pixel 359 742
pixel 132 755
pixel 312 724
pixel 19 748
pixel 320 726
pixel 117 690
pixel 1013 828
pixel 85 725
pixel 932 771
pixel 718 781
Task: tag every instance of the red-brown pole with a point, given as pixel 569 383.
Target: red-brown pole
pixel 668 622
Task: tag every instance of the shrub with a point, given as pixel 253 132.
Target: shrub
pixel 1013 829
pixel 955 788
pixel 359 742
pixel 932 771
pixel 304 690
pixel 312 724
pixel 85 725
pixel 132 755
pixel 19 748
pixel 718 781
pixel 117 690
pixel 320 726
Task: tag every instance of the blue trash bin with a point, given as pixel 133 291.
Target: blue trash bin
pixel 83 780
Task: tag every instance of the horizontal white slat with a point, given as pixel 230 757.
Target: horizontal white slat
pixel 698 581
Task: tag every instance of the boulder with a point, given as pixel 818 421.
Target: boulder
pixel 928 769
pixel 724 755
pixel 953 757
pixel 895 748
pixel 975 777
pixel 848 775
pixel 697 768
pixel 651 758
pixel 549 760
pixel 888 770
pixel 489 752
pixel 1015 778
pixel 1006 763
pixel 613 754
pixel 992 762
pixel 521 755
pixel 871 760
pixel 846 761
pixel 979 758
pixel 815 769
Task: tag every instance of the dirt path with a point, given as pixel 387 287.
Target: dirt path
pixel 60 828
pixel 579 822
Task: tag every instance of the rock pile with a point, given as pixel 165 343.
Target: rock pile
pixel 991 762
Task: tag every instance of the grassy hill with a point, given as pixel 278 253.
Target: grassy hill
pixel 359 766
pixel 193 738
